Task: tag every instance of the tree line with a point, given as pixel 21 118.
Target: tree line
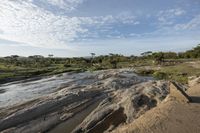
pixel 110 60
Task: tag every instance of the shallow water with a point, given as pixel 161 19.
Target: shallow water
pixel 19 92
pixel 22 91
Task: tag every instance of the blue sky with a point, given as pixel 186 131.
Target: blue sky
pixel 79 27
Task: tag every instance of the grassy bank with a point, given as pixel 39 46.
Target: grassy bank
pixel 10 73
pixel 169 65
pixel 177 72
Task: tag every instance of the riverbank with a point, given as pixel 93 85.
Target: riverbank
pixel 177 72
pixel 7 77
pixel 100 95
pixel 20 68
pixel 174 115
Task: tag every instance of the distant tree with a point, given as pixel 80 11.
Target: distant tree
pixel 36 56
pixel 93 55
pixel 50 55
pixel 194 53
pixel 159 57
pixel 170 55
pixel 147 53
pixel 181 55
pixel 114 59
pixel 113 62
pixel 111 54
pixel 14 56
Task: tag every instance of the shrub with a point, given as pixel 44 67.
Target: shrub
pixel 67 65
pixel 160 75
pixel 145 72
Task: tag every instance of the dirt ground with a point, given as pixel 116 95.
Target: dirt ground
pixel 171 116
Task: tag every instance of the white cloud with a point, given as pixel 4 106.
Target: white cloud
pixel 171 12
pixel 66 5
pixel 105 25
pixel 179 12
pixel 24 22
pixel 167 17
pixel 127 18
pixel 109 19
pixel 191 25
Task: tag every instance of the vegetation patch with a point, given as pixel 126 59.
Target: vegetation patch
pixel 161 65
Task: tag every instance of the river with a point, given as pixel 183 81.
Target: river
pixel 26 90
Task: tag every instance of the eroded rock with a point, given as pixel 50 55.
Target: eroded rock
pixel 121 97
pixel 178 93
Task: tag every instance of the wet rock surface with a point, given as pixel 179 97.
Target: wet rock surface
pixel 82 102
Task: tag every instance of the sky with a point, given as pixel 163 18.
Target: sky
pixel 71 28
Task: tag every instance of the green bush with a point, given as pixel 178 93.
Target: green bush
pixel 6 75
pixel 67 65
pixel 181 79
pixel 145 72
pixel 160 75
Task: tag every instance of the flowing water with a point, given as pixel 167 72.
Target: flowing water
pixel 22 91
pixel 19 92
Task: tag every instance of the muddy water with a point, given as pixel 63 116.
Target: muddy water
pixel 72 123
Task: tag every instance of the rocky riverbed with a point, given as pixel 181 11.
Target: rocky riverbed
pixel 92 102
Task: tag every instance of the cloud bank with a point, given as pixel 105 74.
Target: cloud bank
pixel 64 24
